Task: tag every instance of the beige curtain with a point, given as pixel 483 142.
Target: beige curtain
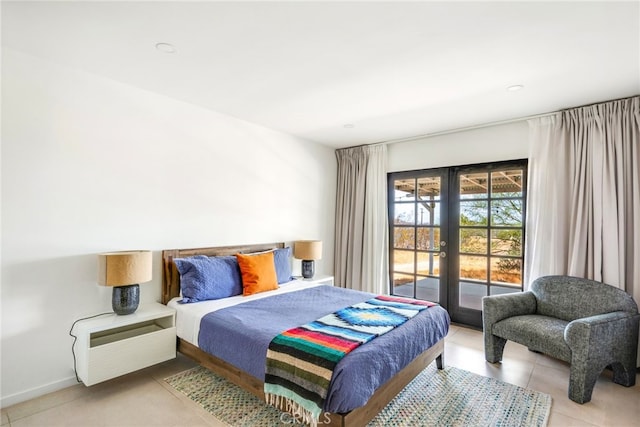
pixel 361 219
pixel 547 228
pixel 583 203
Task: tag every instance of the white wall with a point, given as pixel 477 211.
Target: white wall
pixel 92 165
pixel 489 144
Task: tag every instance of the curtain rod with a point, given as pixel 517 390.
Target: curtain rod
pixel 496 123
pixel 464 128
pixel 482 125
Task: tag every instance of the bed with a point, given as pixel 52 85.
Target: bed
pixel 346 415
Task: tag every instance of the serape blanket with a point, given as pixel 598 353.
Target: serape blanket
pixel 301 360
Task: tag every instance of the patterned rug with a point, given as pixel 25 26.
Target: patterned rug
pixel 450 397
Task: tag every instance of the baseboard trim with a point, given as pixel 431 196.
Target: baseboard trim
pixel 32 393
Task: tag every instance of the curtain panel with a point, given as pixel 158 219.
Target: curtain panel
pixel 583 202
pixel 361 219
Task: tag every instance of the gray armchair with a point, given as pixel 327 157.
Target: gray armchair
pixel 589 324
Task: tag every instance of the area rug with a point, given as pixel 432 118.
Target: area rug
pixel 449 397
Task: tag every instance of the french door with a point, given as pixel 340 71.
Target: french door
pixel 457 234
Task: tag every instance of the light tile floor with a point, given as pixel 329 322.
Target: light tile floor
pixel 143 399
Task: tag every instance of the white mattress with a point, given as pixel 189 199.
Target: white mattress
pixel 188 316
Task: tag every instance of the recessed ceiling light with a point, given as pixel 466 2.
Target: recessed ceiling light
pixel 349 126
pixel 515 88
pixel 165 47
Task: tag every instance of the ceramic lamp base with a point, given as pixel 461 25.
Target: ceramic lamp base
pixel 308 269
pixel 125 299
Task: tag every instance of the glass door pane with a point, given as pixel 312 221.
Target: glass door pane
pixel 490 230
pixel 416 237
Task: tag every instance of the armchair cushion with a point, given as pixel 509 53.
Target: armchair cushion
pixel 541 333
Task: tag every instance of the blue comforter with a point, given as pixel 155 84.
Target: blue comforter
pixel 240 335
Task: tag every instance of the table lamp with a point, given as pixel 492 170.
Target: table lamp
pixel 308 251
pixel 124 271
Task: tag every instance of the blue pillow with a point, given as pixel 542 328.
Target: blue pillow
pixel 205 278
pixel 283 265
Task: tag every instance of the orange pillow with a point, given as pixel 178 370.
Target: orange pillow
pixel 258 273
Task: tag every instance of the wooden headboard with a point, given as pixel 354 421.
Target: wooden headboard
pixel 171 276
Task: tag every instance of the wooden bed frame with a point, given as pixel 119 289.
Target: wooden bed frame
pixel 358 417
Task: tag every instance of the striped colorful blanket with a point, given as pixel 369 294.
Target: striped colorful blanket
pixel 300 361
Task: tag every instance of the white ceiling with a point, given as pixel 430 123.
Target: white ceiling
pixel 391 69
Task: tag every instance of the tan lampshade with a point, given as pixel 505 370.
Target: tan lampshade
pixel 307 249
pixel 124 268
